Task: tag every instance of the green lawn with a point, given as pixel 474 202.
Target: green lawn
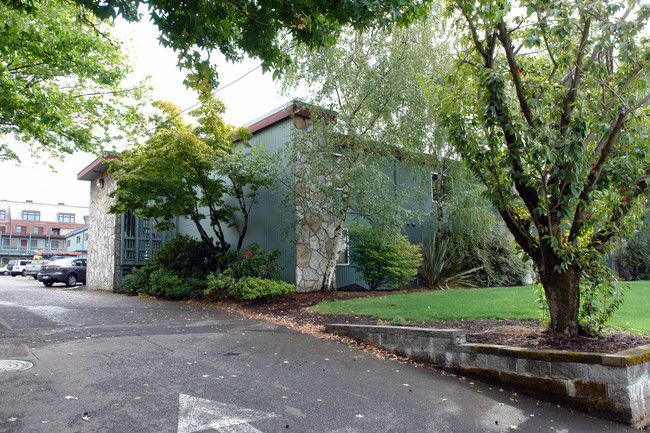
pixel 490 303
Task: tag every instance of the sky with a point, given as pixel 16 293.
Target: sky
pixel 247 99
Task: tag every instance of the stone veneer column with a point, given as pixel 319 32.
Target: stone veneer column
pixel 314 236
pixel 314 245
pixel 104 238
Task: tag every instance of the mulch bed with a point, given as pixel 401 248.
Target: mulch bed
pixel 520 333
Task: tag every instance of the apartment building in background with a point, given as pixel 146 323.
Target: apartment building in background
pixel 27 226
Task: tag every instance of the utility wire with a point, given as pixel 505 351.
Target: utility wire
pixel 199 102
pixel 290 47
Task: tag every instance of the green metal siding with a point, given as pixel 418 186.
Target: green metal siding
pixel 268 218
pixel 271 223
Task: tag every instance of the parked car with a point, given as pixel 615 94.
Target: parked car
pixel 17 267
pixel 69 271
pixel 4 271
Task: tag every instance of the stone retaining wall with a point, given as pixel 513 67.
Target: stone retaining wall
pixel 615 387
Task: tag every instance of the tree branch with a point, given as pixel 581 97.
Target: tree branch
pixel 506 42
pixel 606 145
pixel 472 28
pixel 611 102
pixel 572 93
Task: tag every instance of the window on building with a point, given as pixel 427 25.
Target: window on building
pixel 344 257
pixel 6 242
pixel 3 229
pixel 38 230
pixel 56 231
pixel 68 243
pixel 78 240
pixel 33 243
pixel 3 215
pixel 86 219
pixel 66 218
pixel 54 243
pixel 21 229
pixel 30 215
pixel 440 187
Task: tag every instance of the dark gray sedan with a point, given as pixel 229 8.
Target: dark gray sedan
pixel 69 271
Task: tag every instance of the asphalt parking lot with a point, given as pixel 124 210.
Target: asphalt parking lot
pixel 78 361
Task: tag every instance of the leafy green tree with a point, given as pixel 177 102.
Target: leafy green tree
pixel 234 27
pixel 548 107
pixel 204 173
pixel 370 80
pixel 60 76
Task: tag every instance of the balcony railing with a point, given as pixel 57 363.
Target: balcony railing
pixel 8 245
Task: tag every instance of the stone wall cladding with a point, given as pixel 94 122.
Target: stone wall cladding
pixel 314 233
pixel 611 386
pixel 103 238
pixel 314 240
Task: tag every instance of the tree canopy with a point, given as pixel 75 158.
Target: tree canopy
pixel 60 76
pixel 548 107
pixel 370 83
pixel 204 173
pixel 257 28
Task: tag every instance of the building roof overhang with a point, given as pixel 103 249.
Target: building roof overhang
pixel 95 168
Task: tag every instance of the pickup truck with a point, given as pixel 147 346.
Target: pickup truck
pixel 32 269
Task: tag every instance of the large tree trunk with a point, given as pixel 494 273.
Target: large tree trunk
pixel 562 289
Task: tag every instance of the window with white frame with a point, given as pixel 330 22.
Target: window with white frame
pixel 66 218
pixel 31 215
pixel 3 214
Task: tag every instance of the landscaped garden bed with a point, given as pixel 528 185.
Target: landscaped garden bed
pixel 522 331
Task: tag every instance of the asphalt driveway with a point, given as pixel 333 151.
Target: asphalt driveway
pixel 79 361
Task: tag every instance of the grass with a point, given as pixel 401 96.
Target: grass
pixel 489 303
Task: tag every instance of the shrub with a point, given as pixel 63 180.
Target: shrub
pixel 441 267
pixel 218 287
pixel 135 281
pixel 162 284
pixel 250 288
pixel 255 262
pixel 382 259
pixel 481 239
pixel 245 289
pixel 184 257
pixel 177 271
pixel 633 258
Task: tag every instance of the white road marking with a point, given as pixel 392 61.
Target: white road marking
pixel 196 414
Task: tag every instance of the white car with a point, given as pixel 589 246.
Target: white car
pixel 4 271
pixel 17 267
